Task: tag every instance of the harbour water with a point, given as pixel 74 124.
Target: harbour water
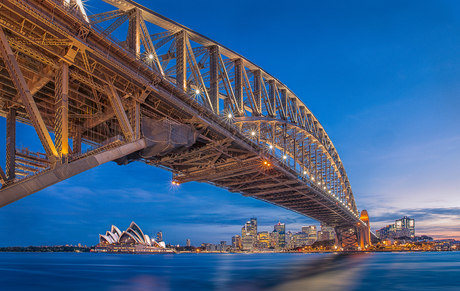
pixel 363 271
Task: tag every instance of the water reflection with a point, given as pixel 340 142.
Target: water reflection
pixel 274 272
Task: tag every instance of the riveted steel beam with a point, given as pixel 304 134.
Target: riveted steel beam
pixel 181 60
pixel 214 82
pixel 37 182
pixel 61 123
pixel 26 97
pixel 10 144
pixel 120 113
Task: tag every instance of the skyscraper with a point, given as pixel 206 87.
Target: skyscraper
pixel 405 227
pixel 402 227
pixel 249 235
pixel 280 228
pixel 187 242
pixel 311 232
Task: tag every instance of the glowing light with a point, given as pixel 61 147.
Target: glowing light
pixel 229 115
pixel 265 162
pixel 197 91
pixel 329 191
pixel 268 165
pixel 253 133
pixel 151 56
pixel 304 172
pixel 319 183
pixel 284 157
pixel 313 178
pixel 270 146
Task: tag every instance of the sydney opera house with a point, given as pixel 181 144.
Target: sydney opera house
pixel 132 240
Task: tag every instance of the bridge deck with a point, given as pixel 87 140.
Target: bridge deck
pixel 63 72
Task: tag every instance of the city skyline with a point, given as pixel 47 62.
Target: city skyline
pixel 380 77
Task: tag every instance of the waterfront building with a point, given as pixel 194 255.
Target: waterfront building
pixel 274 239
pixel 405 227
pixel 300 239
pixel 312 233
pixel 289 238
pixel 187 243
pixel 236 242
pixel 263 240
pixel 222 247
pixel 159 236
pixel 249 235
pixel 209 247
pixel 280 228
pixel 247 242
pixel 132 240
pixel 326 233
pixel 386 232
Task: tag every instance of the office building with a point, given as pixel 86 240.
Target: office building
pixel 312 233
pixel 236 242
pixel 263 240
pixel 405 227
pixel 249 235
pixel 280 228
pixel 326 233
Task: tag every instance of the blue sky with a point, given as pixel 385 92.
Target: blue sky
pixel 381 77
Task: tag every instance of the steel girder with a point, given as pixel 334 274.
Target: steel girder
pixel 176 74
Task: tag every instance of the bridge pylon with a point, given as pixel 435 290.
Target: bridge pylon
pixel 354 236
pixel 365 231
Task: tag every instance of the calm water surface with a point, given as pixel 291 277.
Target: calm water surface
pixel 90 271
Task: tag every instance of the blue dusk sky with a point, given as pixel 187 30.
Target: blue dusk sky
pixel 383 78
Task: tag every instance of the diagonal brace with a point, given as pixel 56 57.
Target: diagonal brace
pixel 122 118
pixel 26 97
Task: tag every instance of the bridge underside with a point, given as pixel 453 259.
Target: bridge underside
pixel 172 99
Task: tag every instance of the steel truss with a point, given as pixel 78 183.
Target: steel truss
pixel 64 72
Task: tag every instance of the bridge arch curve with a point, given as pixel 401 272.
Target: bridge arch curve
pixel 105 88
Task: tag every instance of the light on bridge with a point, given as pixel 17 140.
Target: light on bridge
pixel 197 91
pixel 284 157
pixel 175 183
pixel 270 146
pixel 304 172
pixel 229 115
pixel 253 133
pixel 151 56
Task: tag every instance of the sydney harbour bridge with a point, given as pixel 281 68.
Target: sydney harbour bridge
pixel 166 96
